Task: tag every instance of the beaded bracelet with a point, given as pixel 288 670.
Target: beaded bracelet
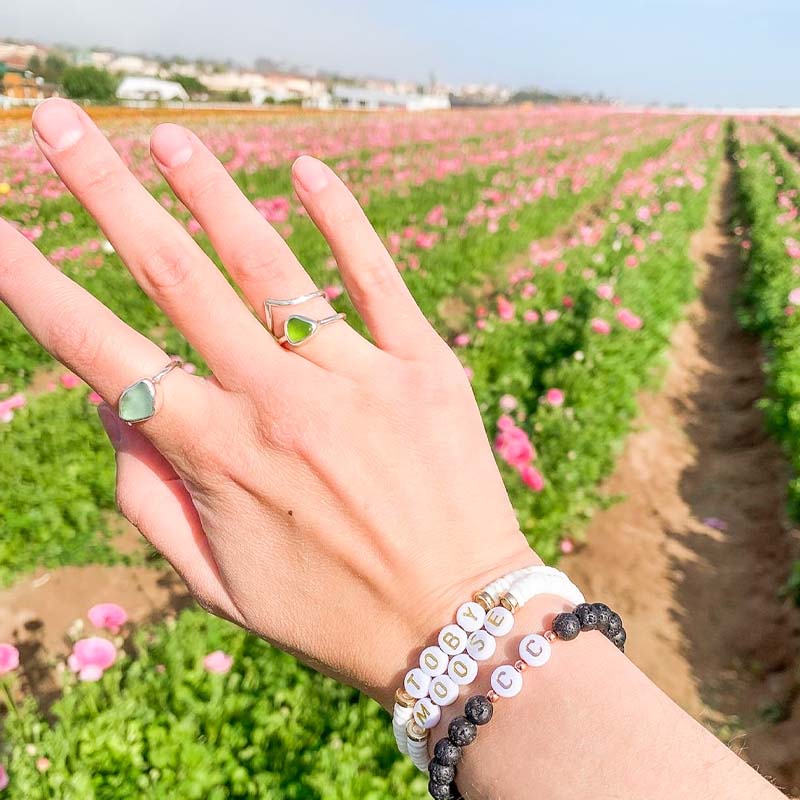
pixel 506 682
pixel 490 614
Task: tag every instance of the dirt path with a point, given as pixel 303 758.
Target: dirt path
pixel 695 556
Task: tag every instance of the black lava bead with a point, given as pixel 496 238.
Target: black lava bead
pixel 478 709
pixel 566 626
pixel 614 624
pixel 603 616
pixel 439 791
pixel 441 773
pixel 461 731
pixel 447 753
pixel 587 616
pixel 619 638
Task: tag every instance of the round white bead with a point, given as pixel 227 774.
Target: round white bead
pixel 506 681
pixel 481 645
pixel 470 616
pixel 443 691
pixel 433 661
pixel 462 669
pixel 417 683
pixel 452 639
pixel 499 621
pixel 426 713
pixel 534 650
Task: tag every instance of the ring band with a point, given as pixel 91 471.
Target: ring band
pixel 142 399
pixel 299 329
pixel 292 301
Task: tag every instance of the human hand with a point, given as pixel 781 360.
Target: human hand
pixel 339 499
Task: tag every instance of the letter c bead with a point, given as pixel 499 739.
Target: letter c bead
pixel 462 669
pixel 506 681
pixel 470 616
pixel 534 650
pixel 452 639
pixel 433 661
pixel 426 713
pixel 481 645
pixel 417 683
pixel 443 691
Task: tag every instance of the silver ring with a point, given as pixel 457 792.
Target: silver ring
pixel 142 399
pixel 298 329
pixel 292 301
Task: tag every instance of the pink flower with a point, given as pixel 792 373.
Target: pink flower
pixel 462 340
pixel 8 406
pixel 91 657
pixel 70 380
pixel 631 262
pixel 508 402
pixel 531 316
pixel 554 397
pixel 95 398
pixel 601 326
pixel 109 616
pixel 566 546
pixel 513 444
pixel 9 658
pixel 794 297
pixel 3 778
pixel 505 309
pixel 332 292
pixel 605 291
pixel 193 226
pixel 532 478
pixel 218 662
pixel 551 316
pixel 42 764
pixel 629 319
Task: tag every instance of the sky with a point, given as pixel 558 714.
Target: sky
pixel 697 52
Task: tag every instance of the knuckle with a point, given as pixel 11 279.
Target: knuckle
pixel 375 276
pixel 72 340
pixel 265 266
pixel 168 267
pixel 99 178
pixel 203 187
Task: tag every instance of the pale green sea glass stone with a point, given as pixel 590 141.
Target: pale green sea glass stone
pixel 138 402
pixel 298 329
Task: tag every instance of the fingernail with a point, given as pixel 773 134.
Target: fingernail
pixel 114 426
pixel 58 123
pixel 171 145
pixel 312 174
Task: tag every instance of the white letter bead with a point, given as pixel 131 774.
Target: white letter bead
pixel 481 645
pixel 470 616
pixel 426 713
pixel 443 691
pixel 417 683
pixel 433 661
pixel 506 681
pixel 534 650
pixel 452 639
pixel 462 669
pixel 499 621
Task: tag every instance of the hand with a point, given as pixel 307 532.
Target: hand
pixel 340 499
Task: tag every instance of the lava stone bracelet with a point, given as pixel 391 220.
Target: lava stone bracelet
pixel 478 710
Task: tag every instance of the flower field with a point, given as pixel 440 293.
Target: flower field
pixel 550 247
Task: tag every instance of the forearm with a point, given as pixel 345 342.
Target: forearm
pixel 589 724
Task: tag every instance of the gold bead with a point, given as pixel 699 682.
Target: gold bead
pixel 509 602
pixel 520 666
pixel 484 600
pixel 404 699
pixel 550 636
pixel 492 696
pixel 416 733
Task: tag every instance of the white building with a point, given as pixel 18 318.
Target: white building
pixel 145 88
pixel 359 98
pixel 134 65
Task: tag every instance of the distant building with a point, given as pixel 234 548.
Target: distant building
pixel 134 65
pixel 363 99
pixel 18 55
pixel 145 88
pixel 25 87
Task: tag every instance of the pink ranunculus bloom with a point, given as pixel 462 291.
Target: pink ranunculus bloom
pixel 95 398
pixel 505 423
pixel 9 658
pixel 554 397
pixel 631 262
pixel 629 319
pixel 193 226
pixel 218 662
pixel 42 764
pixel 605 291
pixel 332 292
pixel 531 316
pixel 9 405
pixel 794 297
pixel 469 372
pixel 3 778
pixel 461 340
pixel 91 657
pixel 109 616
pixel 551 316
pixel 532 478
pixel 505 309
pixel 601 326
pixel 70 381
pixel 566 546
pixel 508 402
pixel 513 445
pixel 480 324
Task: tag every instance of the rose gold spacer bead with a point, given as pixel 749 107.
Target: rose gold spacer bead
pixel 509 602
pixel 492 696
pixel 520 666
pixel 404 699
pixel 484 600
pixel 416 733
pixel 550 636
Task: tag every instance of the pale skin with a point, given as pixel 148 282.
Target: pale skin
pixel 341 499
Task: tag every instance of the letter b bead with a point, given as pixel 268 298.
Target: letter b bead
pixel 453 639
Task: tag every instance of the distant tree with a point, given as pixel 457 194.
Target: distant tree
pixel 54 68
pixel 192 85
pixel 89 83
pixel 237 96
pixel 35 64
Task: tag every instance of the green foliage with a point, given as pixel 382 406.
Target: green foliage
pixel 192 85
pixel 89 83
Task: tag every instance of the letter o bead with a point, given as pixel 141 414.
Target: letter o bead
pixel 452 639
pixel 534 650
pixel 506 681
pixel 417 683
pixel 462 669
pixel 426 713
pixel 443 691
pixel 433 661
pixel 470 616
pixel 481 645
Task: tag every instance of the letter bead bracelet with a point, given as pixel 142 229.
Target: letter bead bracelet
pixel 506 682
pixel 453 662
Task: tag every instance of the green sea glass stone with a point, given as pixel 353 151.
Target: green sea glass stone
pixel 138 402
pixel 298 329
